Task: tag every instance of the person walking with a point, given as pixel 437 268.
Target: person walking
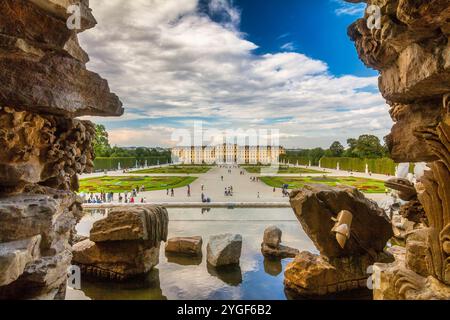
pixel 172 193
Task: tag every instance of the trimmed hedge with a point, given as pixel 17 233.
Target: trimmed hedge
pixel 113 163
pixel 381 166
pixel 303 161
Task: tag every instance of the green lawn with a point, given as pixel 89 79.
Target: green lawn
pixel 281 170
pixel 364 185
pixel 126 184
pixel 175 170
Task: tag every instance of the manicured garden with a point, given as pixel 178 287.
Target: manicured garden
pixel 363 184
pixel 186 169
pixel 281 170
pixel 126 184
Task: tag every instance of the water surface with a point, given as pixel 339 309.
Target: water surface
pixel 180 278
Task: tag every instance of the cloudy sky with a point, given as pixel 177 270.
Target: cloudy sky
pixel 243 64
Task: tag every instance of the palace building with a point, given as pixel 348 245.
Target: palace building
pixel 227 154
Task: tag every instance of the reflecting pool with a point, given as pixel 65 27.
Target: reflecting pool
pixel 180 278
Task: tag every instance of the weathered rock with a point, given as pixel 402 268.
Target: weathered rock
pixel 14 256
pixel 56 80
pixel 44 84
pixel 115 260
pixel 404 187
pixel 44 150
pixel 127 224
pixel 272 236
pixel 397 282
pixel 51 216
pixel 42 279
pixel 185 245
pixel 350 232
pixel 271 246
pixel 281 252
pixel 224 250
pixel 404 143
pixel 316 205
pixel 314 275
pixel 411 51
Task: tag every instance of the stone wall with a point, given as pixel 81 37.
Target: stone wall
pixel 411 51
pixel 44 85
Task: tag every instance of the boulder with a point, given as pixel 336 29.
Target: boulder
pixel 128 224
pixel 271 246
pixel 281 252
pixel 224 250
pixel 185 245
pixel 14 256
pixel 115 260
pixel 350 233
pixel 317 205
pixel 272 236
pixel 125 244
pixel 316 275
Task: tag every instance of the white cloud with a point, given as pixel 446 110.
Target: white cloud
pixel 290 46
pixel 349 9
pixel 166 59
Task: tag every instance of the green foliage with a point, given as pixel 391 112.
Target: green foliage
pixel 281 170
pixel 362 184
pixel 336 149
pixel 101 142
pixel 382 166
pixel 101 163
pixel 175 169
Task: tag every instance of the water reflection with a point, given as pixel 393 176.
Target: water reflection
pixel 183 260
pixel 180 278
pixel 273 267
pixel 231 275
pixel 140 288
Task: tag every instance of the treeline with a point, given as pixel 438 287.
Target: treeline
pixel 114 163
pixel 366 150
pixel 111 158
pixel 365 147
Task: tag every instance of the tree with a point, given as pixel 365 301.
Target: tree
pixel 369 146
pixel 336 149
pixel 316 154
pixel 101 142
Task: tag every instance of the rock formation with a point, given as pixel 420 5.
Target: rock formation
pixel 411 50
pixel 271 246
pixel 123 245
pixel 191 246
pixel 224 250
pixel 350 232
pixel 44 85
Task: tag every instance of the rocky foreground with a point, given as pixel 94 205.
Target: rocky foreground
pixel 44 85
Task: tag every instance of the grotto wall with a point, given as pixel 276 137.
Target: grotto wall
pixel 44 85
pixel 411 50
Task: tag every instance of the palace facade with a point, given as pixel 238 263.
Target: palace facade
pixel 228 154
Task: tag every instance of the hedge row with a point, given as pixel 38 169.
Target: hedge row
pixel 303 161
pixel 101 164
pixel 382 166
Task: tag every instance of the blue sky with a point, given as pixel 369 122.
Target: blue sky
pixel 242 65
